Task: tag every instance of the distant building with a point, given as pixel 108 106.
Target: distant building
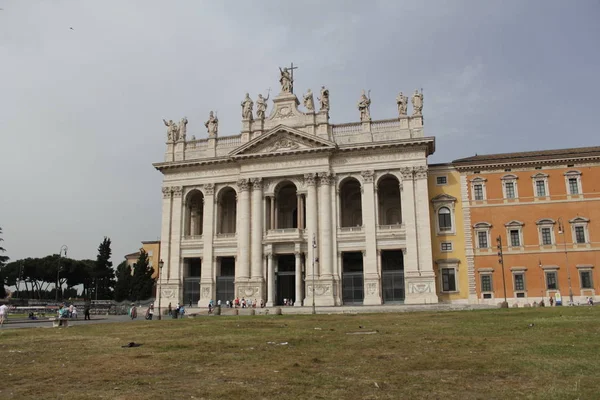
pixel 152 248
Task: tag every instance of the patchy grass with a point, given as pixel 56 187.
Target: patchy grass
pixel 487 354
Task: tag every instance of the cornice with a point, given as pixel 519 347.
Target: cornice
pixel 516 164
pixel 161 166
pixel 428 142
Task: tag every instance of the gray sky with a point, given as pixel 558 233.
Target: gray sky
pixel 81 109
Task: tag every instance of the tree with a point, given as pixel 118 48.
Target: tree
pixel 142 282
pixel 124 279
pixel 103 275
pixel 3 260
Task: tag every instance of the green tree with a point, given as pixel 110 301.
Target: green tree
pixel 124 280
pixel 3 260
pixel 142 282
pixel 103 274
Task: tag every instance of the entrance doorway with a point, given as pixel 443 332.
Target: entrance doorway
pixel 225 280
pixel 286 278
pixel 191 280
pixel 352 278
pixel 392 271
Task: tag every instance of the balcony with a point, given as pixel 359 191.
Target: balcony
pixel 395 231
pixel 191 241
pixel 284 235
pixel 351 233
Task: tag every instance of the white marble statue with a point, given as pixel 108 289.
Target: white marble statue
pixel 364 105
pixel 172 130
pixel 261 106
pixel 287 84
pixel 212 125
pixel 402 102
pixel 182 128
pixel 309 101
pixel 324 99
pixel 247 105
pixel 417 103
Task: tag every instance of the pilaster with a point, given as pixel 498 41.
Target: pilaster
pixel 324 290
pixel 257 219
pixel 311 228
pixel 174 270
pixel 411 255
pixel 372 280
pixel 270 281
pixel 299 294
pixel 207 273
pixel 242 268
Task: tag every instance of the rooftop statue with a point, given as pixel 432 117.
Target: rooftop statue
pixel 309 101
pixel 402 102
pixel 417 102
pixel 261 105
pixel 182 129
pixel 172 130
pixel 212 125
pixel 324 99
pixel 287 84
pixel 247 105
pixel 364 105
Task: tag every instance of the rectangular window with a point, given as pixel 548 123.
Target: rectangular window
pixel 446 246
pixel 448 280
pixel 441 180
pixel 519 282
pixel 478 191
pixel 579 234
pixel 551 283
pixel 586 279
pixel 573 186
pixel 509 188
pixel 546 236
pixel 540 188
pixel 515 240
pixel 486 283
pixel 482 239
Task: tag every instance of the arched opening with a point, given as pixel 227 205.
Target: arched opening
pixel 388 195
pixel 227 210
pixel 351 203
pixel 286 204
pixel 194 209
pixel 444 219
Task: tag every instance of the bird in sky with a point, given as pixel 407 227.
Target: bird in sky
pixel 71 28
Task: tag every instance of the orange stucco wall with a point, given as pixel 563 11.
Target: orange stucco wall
pixel 527 209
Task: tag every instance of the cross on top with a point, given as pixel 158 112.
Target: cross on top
pixel 292 68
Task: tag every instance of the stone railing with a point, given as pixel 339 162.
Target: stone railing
pixel 390 227
pixel 225 235
pixel 199 144
pixel 229 141
pixel 346 229
pixel 283 230
pixel 346 129
pixel 385 125
pixel 192 237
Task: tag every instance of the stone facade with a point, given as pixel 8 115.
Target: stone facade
pixel 299 209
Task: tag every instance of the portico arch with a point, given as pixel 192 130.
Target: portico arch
pixel 389 200
pixel 351 202
pixel 227 210
pixel 286 205
pixel 194 213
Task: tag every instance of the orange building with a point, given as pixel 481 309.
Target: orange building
pixel 544 207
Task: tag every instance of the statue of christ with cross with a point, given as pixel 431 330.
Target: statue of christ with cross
pixel 287 79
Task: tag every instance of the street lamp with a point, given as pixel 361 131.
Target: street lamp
pixel 501 261
pixel 161 263
pixel 62 248
pixel 561 231
pixel 314 245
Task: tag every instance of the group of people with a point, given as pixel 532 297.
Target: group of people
pixel 243 303
pixel 178 311
pixel 71 311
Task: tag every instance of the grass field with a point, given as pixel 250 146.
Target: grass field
pixel 486 354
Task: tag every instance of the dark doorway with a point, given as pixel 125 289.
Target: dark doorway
pixel 225 279
pixel 392 271
pixel 352 278
pixel 191 280
pixel 286 278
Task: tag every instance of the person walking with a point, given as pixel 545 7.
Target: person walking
pixel 3 314
pixel 86 310
pixel 74 312
pixel 133 311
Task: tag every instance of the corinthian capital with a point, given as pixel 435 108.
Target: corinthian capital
pixel 256 183
pixel 310 179
pixel 325 178
pixel 177 191
pixel 209 189
pixel 407 173
pixel 368 176
pixel 243 185
pixel 166 191
pixel 421 172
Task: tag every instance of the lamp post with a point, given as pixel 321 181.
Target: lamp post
pixel 561 231
pixel 501 261
pixel 161 263
pixel 65 248
pixel 314 245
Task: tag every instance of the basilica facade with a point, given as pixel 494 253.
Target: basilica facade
pixel 295 209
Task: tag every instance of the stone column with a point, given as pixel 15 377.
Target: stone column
pixel 311 229
pixel 325 230
pixel 299 294
pixel 257 237
pixel 175 273
pixel 242 268
pixel 325 288
pixel 165 241
pixel 272 216
pixel 207 270
pixel 372 280
pixel 424 287
pixel 270 281
pixel 298 212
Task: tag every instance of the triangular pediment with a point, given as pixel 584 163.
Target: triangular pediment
pixel 443 198
pixel 282 140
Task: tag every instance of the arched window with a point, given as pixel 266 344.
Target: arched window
pixel 444 219
pixel 351 203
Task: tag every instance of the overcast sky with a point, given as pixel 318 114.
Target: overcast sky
pixel 81 108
